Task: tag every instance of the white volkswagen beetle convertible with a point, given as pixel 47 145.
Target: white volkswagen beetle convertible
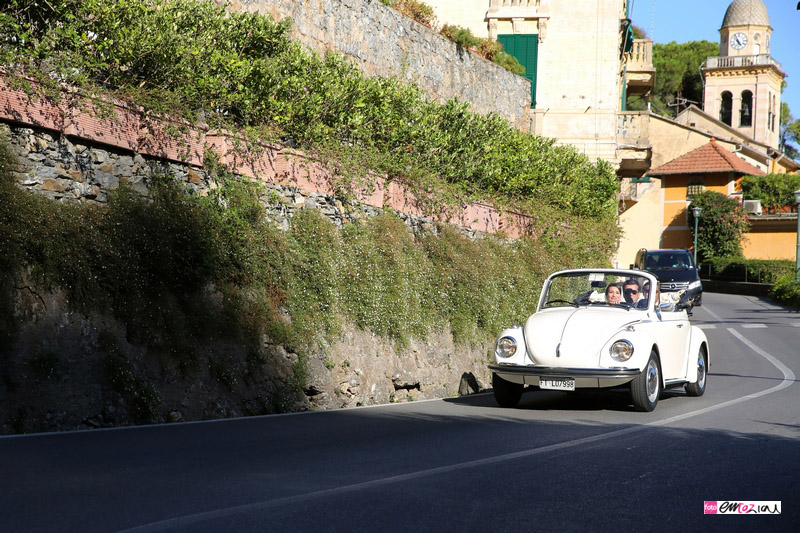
pixel 598 328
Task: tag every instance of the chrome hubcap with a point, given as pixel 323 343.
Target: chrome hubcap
pixel 701 370
pixel 652 382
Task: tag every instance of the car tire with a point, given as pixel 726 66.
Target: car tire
pixel 506 393
pixel 699 387
pixel 646 387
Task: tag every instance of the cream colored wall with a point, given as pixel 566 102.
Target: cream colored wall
pixel 470 14
pixel 670 140
pixel 641 226
pixel 578 95
pixel 578 76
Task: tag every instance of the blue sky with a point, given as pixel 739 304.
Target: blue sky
pixel 697 20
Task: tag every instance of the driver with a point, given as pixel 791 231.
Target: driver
pixel 631 292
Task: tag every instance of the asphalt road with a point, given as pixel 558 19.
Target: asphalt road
pixel 561 461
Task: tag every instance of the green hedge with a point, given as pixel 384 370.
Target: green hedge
pixel 746 270
pixel 774 190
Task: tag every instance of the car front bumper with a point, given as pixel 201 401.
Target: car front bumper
pixel 584 377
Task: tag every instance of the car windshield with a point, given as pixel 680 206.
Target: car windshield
pixel 607 289
pixel 668 261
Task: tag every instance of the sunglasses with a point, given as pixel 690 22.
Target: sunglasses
pixel 631 291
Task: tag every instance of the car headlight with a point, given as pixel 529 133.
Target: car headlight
pixel 694 285
pixel 621 350
pixel 506 347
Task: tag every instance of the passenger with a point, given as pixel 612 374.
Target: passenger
pixel 613 294
pixel 645 295
pixel 630 289
pixel 646 290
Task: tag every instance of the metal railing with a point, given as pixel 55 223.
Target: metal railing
pixel 745 273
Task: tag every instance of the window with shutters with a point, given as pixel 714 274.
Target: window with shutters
pixel 526 49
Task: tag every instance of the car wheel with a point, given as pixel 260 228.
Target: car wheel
pixel 646 387
pixel 506 393
pixel 699 387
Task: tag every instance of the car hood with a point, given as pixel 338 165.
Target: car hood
pixel 676 275
pixel 570 337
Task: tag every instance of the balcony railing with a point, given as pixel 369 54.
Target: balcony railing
pixel 516 3
pixel 633 129
pixel 742 61
pixel 641 55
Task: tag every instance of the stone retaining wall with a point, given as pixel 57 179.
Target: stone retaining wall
pixel 382 42
pixel 71 155
pixel 72 152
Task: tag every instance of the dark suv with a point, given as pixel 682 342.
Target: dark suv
pixel 675 270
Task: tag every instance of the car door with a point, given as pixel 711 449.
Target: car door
pixel 672 334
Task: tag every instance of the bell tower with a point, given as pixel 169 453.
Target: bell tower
pixel 743 83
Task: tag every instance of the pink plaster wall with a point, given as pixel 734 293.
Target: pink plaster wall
pixel 129 128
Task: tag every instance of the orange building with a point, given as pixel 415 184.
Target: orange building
pixel 710 167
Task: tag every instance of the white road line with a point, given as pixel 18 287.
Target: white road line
pixel 753 326
pixel 182 521
pixel 707 326
pixel 796 325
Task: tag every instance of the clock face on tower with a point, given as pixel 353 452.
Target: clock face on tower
pixel 738 40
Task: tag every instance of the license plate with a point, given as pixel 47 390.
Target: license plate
pixel 557 383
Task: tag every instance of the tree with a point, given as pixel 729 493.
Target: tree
pixel 722 224
pixel 790 133
pixel 679 81
pixel 639 33
pixel 775 191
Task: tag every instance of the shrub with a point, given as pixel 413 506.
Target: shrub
pixel 787 291
pixel 749 270
pixel 461 36
pixel 774 190
pixel 721 225
pixel 241 71
pixel 419 11
pixel 150 261
pixel 490 49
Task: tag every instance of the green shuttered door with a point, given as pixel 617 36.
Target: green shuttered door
pixel 526 49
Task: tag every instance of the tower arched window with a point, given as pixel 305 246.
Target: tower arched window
pixel 746 110
pixel 726 108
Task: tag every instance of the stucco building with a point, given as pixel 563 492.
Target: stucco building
pixel 741 101
pixel 581 59
pixel 583 62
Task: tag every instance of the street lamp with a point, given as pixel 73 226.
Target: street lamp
pixel 696 211
pixel 797 254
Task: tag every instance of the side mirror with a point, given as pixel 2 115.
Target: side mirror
pixel 687 301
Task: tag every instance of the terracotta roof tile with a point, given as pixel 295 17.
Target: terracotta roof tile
pixel 708 158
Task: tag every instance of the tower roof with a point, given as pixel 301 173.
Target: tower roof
pixel 746 13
